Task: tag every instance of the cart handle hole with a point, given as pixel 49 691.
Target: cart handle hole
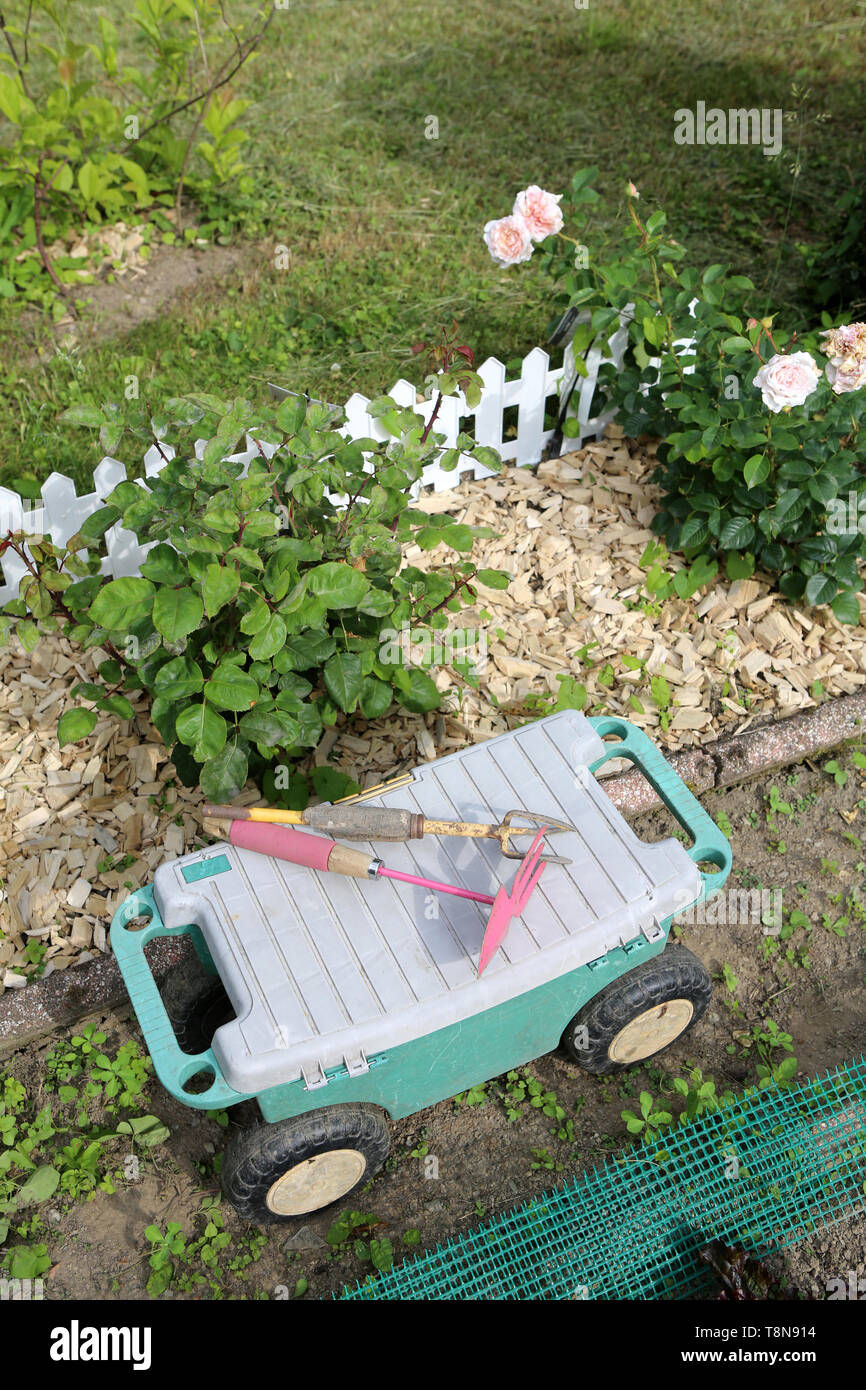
pixel 139 920
pixel 714 863
pixel 199 1081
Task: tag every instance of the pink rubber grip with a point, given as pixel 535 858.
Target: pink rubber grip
pixel 281 842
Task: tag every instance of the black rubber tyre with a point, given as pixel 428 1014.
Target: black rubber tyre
pixel 279 1172
pixel 196 1018
pixel 653 999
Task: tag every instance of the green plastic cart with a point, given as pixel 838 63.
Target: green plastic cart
pixel 338 1004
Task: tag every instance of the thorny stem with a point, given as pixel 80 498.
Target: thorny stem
pixel 462 582
pixel 428 427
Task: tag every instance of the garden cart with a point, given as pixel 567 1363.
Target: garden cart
pixel 337 1004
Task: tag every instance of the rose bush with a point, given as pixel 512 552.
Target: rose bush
pixel 760 443
pixel 257 618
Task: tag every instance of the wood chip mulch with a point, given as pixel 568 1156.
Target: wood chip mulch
pixel 81 826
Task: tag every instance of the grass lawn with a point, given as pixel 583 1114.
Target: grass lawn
pixel 384 225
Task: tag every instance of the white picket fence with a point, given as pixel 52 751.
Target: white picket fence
pixel 539 389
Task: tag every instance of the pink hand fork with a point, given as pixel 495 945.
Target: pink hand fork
pixel 508 905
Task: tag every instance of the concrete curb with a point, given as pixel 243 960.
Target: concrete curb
pixel 70 995
pixel 740 757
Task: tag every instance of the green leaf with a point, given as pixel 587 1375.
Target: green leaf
pixel 291 414
pixel 331 784
pixel 338 585
pixel 756 470
pixel 301 652
pixel 845 607
pixel 110 671
pixel 740 566
pixel 163 712
pixel 117 704
pixel 39 1186
pixel 76 724
pixel 98 523
pixel 269 639
pixel 28 634
pixel 219 587
pixel 377 602
pixel 494 579
pixel 376 697
pixel 223 777
pixel 422 694
pixel 202 730
pixel 121 603
pixel 89 416
pixel 343 679
pixel 164 565
pixel 230 688
pixel 178 678
pixel 145 1129
pixel 177 612
pixel 458 536
pixel 271 728
pixel 820 589
pixel 736 533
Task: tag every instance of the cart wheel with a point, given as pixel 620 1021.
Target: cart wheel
pixel 301 1165
pixel 196 1018
pixel 641 1013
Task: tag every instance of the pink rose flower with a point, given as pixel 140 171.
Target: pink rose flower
pixel 846 348
pixel 539 210
pixel 508 240
pixel 787 380
pixel 845 378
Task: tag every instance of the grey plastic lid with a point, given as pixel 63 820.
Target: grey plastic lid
pixel 325 971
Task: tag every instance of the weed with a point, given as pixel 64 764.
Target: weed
pixel 541 1159
pixel 649 1121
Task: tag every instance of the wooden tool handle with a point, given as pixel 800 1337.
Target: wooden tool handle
pixel 269 815
pixel 459 827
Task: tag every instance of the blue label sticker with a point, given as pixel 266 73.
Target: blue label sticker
pixel 206 868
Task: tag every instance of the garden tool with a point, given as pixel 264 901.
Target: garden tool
pixel 281 842
pixel 391 823
pixel 509 905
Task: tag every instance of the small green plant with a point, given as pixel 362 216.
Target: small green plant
pixel 541 1159
pixel 834 769
pixel 649 1121
pixel 351 1225
pixel 776 806
pixel 700 1095
pixel 476 1095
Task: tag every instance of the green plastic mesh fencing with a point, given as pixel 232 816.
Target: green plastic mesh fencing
pixel 762 1174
